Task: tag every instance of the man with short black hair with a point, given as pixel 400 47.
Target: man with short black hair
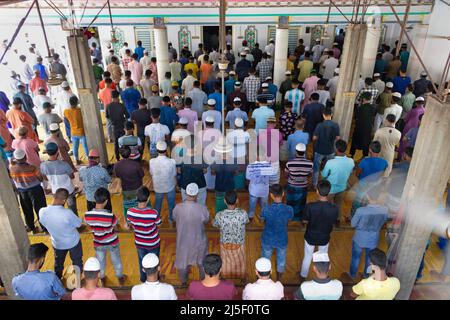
pixel 130 97
pixel 312 113
pixel 321 287
pixel 264 288
pixel 364 120
pixel 368 87
pixel 296 96
pixel 378 286
pixel 118 114
pixel 75 118
pixel 152 289
pixel 34 284
pixel 261 114
pixel 250 86
pixel 169 115
pixel 142 117
pixel 211 287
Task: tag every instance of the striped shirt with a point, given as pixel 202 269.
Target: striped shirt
pixel 24 175
pixel 145 223
pixel 299 169
pixel 102 223
pixel 295 96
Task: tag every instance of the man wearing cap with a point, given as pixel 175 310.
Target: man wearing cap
pixel 90 290
pixel 270 47
pixel 250 87
pixel 155 100
pixel 237 93
pixel 378 83
pixel 28 145
pixel 299 171
pixel 389 137
pixel 286 85
pixel 229 83
pixel 27 180
pixel 264 288
pixel 179 140
pixel 63 146
pixel 34 284
pixel 296 96
pixel 364 119
pixel 264 68
pixel 214 115
pixel 264 92
pixel 330 64
pixel 152 288
pixel 394 108
pixel 421 85
pixel 261 114
pixel 243 67
pixel 19 118
pixel 192 243
pixel 236 113
pixel 40 99
pixel 321 287
pixel 383 101
pixel 62 224
pixel 163 172
pixel 48 117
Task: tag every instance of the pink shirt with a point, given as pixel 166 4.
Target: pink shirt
pixel 97 294
pixel 190 115
pixel 136 71
pixel 29 146
pixel 310 85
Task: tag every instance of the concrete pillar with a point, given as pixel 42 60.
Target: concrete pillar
pixel 420 32
pixel 349 71
pixel 13 237
pixel 370 51
pixel 424 189
pixel 162 51
pixel 280 59
pixel 87 93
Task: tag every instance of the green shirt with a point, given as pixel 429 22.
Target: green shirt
pixel 408 100
pixel 98 72
pixel 384 101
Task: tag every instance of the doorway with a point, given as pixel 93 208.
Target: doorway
pixel 211 36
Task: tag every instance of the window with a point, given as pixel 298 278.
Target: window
pixel 294 33
pixel 145 34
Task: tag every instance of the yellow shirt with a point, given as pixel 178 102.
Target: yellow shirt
pixel 75 119
pixel 289 65
pixel 371 289
pixel 305 68
pixel 192 66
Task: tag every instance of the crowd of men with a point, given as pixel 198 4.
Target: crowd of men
pixel 173 118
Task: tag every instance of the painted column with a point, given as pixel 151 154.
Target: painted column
pixel 281 52
pixel 161 48
pixel 370 51
pixel 420 35
pixel 13 237
pixel 87 93
pixel 349 71
pixel 424 189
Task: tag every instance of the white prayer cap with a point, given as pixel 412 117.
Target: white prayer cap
pixel 65 84
pixel 246 49
pixel 150 260
pixel 420 99
pixel 423 73
pixel 264 85
pixel 19 154
pixel 271 39
pixel 376 75
pixel 211 102
pixel 397 94
pixel 232 73
pixel 161 146
pixel 263 265
pixel 287 73
pixel 336 70
pixel 237 99
pixel 300 147
pixel 192 189
pixel 268 54
pixel 54 126
pixel 238 122
pixel 389 85
pixel 92 264
pixel 183 120
pixel 268 78
pixel 145 51
pixel 320 257
pixel 317 39
pixel 243 54
pixel 209 119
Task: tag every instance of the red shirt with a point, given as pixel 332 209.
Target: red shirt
pixel 101 85
pixel 225 290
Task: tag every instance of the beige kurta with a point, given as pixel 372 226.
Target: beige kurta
pixel 389 137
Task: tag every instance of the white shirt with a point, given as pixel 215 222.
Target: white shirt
pixel 329 65
pixel 312 290
pixel 62 102
pixel 263 289
pixel 188 83
pixel 238 138
pixel 270 48
pixel 39 101
pixel 163 172
pixel 122 51
pixel 145 61
pixel 27 73
pixel 332 86
pixel 146 85
pixel 153 291
pixel 317 52
pixel 156 132
pixel 394 109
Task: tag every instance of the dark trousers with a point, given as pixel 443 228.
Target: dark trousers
pixel 32 199
pixel 76 255
pixel 117 134
pixel 91 205
pixel 141 254
pixel 142 138
pixel 67 127
pixel 365 150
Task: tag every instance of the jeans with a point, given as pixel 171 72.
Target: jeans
pixel 67 128
pixel 253 202
pixel 32 199
pixel 117 134
pixel 100 253
pixel 296 198
pixel 356 257
pixel 129 200
pixel 76 255
pixel 170 201
pixel 72 203
pixel 307 257
pixel 318 158
pixel 266 252
pixel 141 254
pixel 201 197
pixel 76 143
pixel 109 129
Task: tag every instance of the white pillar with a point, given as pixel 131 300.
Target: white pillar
pixel 280 59
pixel 162 52
pixel 370 51
pixel 419 36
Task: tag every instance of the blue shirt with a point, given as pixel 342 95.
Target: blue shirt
pixel 260 115
pixel 337 171
pixel 380 66
pixel 218 97
pixel 229 86
pixel 235 113
pixel 276 217
pixel 372 167
pixel 140 52
pixel 368 221
pixel 400 84
pixel 93 178
pixel 169 117
pixel 294 139
pixel 130 98
pixel 36 285
pixel 2 151
pixel 273 89
pixel 62 225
